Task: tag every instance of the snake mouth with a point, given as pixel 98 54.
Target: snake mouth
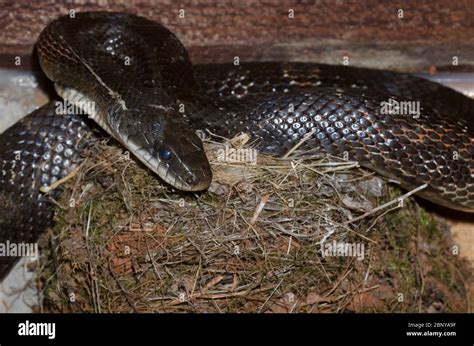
pixel 191 180
pixel 190 173
pixel 198 178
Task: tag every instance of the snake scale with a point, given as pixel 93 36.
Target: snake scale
pixel 149 97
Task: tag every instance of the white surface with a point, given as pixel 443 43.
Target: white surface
pixel 19 95
pixel 462 82
pixel 18 292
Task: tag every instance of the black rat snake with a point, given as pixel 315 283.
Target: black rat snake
pixel 134 78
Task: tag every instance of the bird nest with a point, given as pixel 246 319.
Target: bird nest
pixel 301 234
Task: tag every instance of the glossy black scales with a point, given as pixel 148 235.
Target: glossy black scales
pixel 37 151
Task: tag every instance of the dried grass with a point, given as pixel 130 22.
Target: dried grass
pixel 124 242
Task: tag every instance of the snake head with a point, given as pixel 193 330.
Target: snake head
pixel 171 150
pixel 182 161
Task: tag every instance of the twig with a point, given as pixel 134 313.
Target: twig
pixel 259 208
pixel 129 301
pixel 297 145
pixel 270 296
pixel 383 206
pixel 46 189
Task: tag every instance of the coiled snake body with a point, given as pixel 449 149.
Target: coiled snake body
pixel 145 93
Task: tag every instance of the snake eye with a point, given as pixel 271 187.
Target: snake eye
pixel 164 153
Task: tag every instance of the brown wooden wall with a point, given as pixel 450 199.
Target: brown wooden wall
pixel 369 32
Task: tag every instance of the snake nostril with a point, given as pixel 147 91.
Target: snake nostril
pixel 190 180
